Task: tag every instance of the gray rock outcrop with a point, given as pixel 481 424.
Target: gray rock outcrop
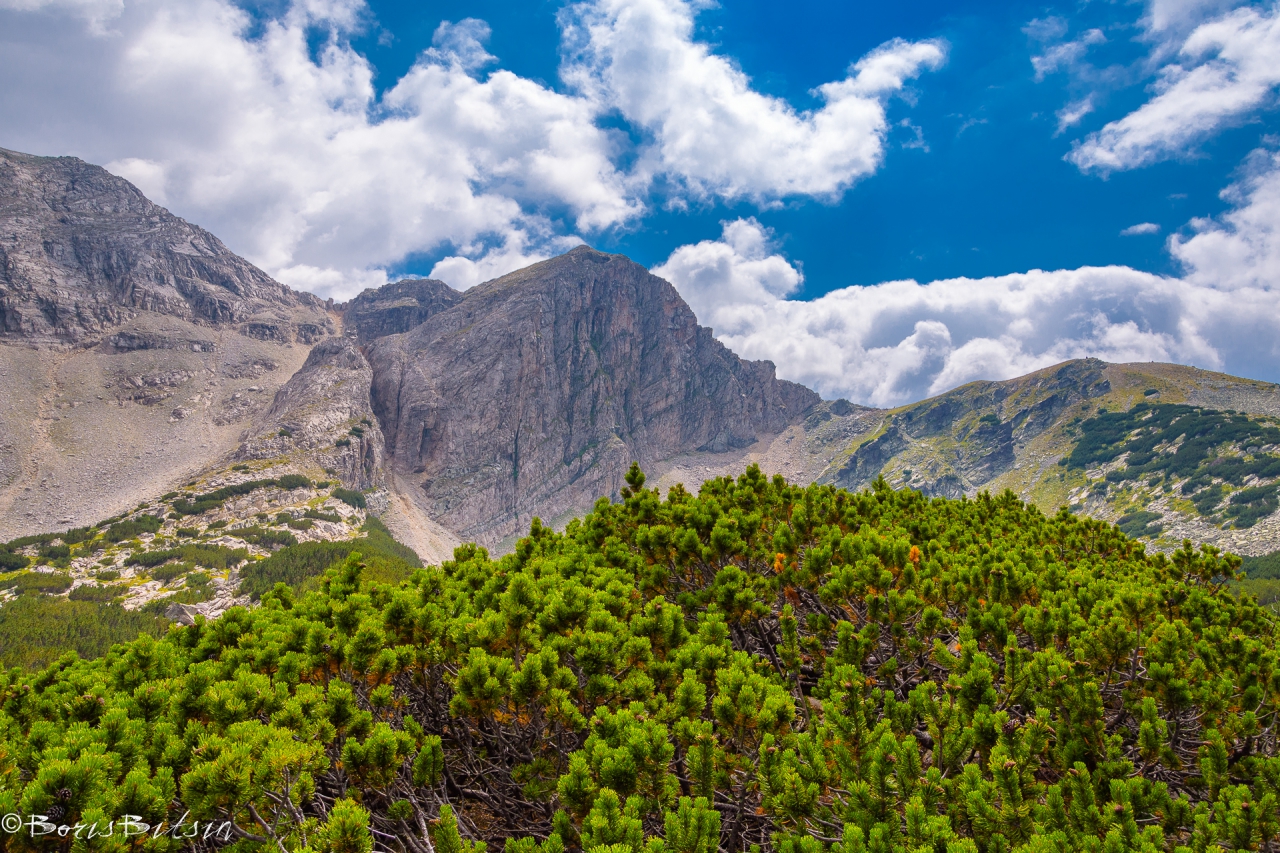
pixel 322 417
pixel 534 393
pixel 396 308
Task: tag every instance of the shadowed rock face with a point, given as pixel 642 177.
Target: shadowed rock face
pixel 535 392
pixel 83 251
pixel 396 308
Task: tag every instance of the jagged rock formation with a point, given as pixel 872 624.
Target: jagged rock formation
pixel 397 307
pixel 321 417
pixel 84 252
pixel 534 393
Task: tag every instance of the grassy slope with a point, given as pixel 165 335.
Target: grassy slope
pixel 1035 475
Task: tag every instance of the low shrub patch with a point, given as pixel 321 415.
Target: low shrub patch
pixel 264 537
pixel 55 552
pixel 131 528
pixel 350 497
pixel 10 562
pixel 45 582
pixel 384 558
pixel 92 592
pixel 76 535
pixel 169 571
pixel 36 631
pixel 1140 524
pixel 212 556
pixel 322 516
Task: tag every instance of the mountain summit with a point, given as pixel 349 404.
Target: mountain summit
pixel 534 393
pixel 84 252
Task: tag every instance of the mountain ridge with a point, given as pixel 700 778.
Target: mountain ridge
pixel 161 358
pixel 86 252
pixel 574 368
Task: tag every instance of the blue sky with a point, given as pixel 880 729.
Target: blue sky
pixel 781 164
pixel 990 194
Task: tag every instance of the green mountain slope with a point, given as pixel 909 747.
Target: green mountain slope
pixel 1169 452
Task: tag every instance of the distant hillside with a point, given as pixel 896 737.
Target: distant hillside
pixel 1166 451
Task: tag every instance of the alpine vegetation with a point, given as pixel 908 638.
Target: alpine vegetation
pixel 760 667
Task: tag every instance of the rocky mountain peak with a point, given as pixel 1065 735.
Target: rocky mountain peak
pixel 397 307
pixel 85 252
pixel 536 390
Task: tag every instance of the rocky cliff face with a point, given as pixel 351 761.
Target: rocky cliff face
pixel 322 418
pixel 396 308
pixel 84 252
pixel 534 393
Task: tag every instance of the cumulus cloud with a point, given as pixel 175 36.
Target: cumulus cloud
pixel 1140 228
pixel 900 341
pixel 1165 16
pixel 1225 69
pixel 479 263
pixel 290 155
pixel 1241 249
pixel 272 134
pixel 708 129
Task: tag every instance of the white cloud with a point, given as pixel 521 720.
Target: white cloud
pixel 900 341
pixel 1182 15
pixel 482 263
pixel 709 129
pixel 1072 113
pixel 1241 249
pixel 96 13
pixel 1140 228
pixel 288 152
pixel 717 276
pixel 1226 69
pixel 1064 55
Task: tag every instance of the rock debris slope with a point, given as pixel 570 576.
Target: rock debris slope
pixel 322 418
pixel 533 394
pixel 134 347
